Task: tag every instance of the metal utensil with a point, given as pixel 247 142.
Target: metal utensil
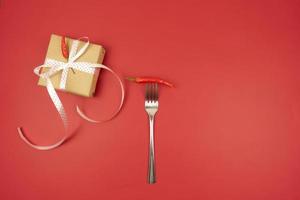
pixel 151 107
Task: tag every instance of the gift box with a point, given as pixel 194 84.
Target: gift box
pixel 77 81
pixel 71 65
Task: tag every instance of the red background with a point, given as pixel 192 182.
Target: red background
pixel 230 129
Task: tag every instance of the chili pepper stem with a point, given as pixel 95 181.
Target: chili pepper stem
pixel 131 79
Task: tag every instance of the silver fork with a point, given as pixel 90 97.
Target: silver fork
pixel 151 107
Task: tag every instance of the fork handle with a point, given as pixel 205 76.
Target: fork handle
pixel 151 166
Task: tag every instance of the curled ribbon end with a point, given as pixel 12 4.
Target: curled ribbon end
pixel 82 115
pixel 85 117
pixel 39 147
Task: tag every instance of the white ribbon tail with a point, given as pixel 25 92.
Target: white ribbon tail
pixel 61 111
pixel 39 147
pixel 84 116
pixel 55 67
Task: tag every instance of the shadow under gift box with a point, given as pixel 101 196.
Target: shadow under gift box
pixel 80 83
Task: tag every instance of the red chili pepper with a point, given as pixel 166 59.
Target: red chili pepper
pixel 64 47
pixel 149 80
pixel 64 50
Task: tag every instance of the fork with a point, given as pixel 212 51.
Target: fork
pixel 151 107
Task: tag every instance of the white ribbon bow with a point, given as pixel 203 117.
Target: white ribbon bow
pixel 55 67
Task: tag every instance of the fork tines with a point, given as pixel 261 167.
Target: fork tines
pixel 151 92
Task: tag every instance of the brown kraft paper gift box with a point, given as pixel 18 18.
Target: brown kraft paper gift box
pixel 80 83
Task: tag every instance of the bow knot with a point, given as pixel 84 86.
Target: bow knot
pixel 55 66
